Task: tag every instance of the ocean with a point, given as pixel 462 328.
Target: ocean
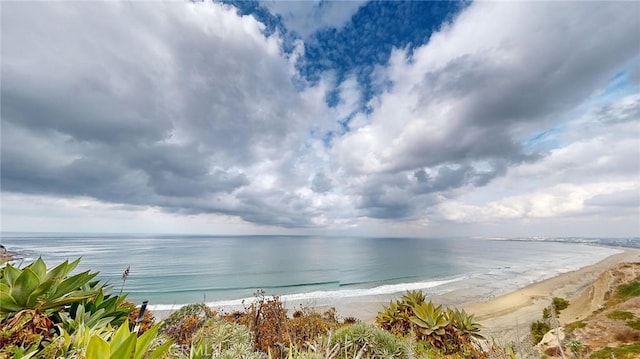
pixel 171 270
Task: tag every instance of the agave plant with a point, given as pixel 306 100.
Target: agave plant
pixel 35 288
pixel 96 311
pixel 430 322
pixel 464 323
pixel 126 344
pixel 414 297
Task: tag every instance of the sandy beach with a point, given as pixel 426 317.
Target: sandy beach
pixel 509 316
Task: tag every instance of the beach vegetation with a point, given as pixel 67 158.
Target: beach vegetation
pixel 44 291
pixel 39 304
pixel 306 325
pixel 218 338
pixel 571 327
pixel 124 343
pixel 620 315
pixel 628 291
pixel 627 335
pixel 630 351
pixel 541 327
pixel 182 324
pixel 538 329
pixel 446 330
pixel 366 341
pixel 634 324
pixel 268 324
pixel 464 323
pixel 430 323
pixel 577 348
pixel 559 304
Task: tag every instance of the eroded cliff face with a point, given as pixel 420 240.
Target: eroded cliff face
pixel 606 313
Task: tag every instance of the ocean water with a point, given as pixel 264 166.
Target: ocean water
pixel 170 270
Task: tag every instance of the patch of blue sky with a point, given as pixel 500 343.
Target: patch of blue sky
pixel 619 85
pixel 545 141
pixel 367 40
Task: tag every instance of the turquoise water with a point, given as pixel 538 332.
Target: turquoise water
pixel 172 270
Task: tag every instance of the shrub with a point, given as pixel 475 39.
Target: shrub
pixel 559 304
pixel 450 330
pixel 627 335
pixel 620 315
pixel 368 342
pixel 182 324
pixel 538 330
pixel 571 327
pixel 220 339
pixel 627 291
pixel 268 324
pixel 634 324
pixel 630 351
pixel 307 325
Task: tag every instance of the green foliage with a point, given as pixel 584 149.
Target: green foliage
pixel 395 318
pixel 628 291
pixel 182 324
pixel 577 347
pixel 559 304
pixel 307 325
pixel 571 327
pixel 464 323
pixel 430 322
pixel 630 351
pixel 634 324
pixel 539 329
pixel 365 341
pixel 33 287
pixel 620 315
pixel 223 340
pixel 448 331
pixel 126 344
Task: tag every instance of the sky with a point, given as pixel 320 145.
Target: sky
pixel 434 118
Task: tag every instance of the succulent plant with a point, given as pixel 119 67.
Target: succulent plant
pixel 429 319
pixel 33 287
pixel 464 323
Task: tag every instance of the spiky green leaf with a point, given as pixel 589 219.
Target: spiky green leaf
pixel 98 348
pixel 24 285
pixel 39 268
pixel 11 273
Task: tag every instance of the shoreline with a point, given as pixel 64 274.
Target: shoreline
pixel 505 316
pixel 509 316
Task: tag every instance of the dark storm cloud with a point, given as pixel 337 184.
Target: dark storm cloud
pixel 143 104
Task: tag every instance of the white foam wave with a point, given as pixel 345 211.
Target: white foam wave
pixel 325 296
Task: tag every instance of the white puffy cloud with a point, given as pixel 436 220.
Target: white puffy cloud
pixel 463 108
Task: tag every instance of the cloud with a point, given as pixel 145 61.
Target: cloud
pixel 307 17
pixel 461 107
pixel 176 105
pixel 501 117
